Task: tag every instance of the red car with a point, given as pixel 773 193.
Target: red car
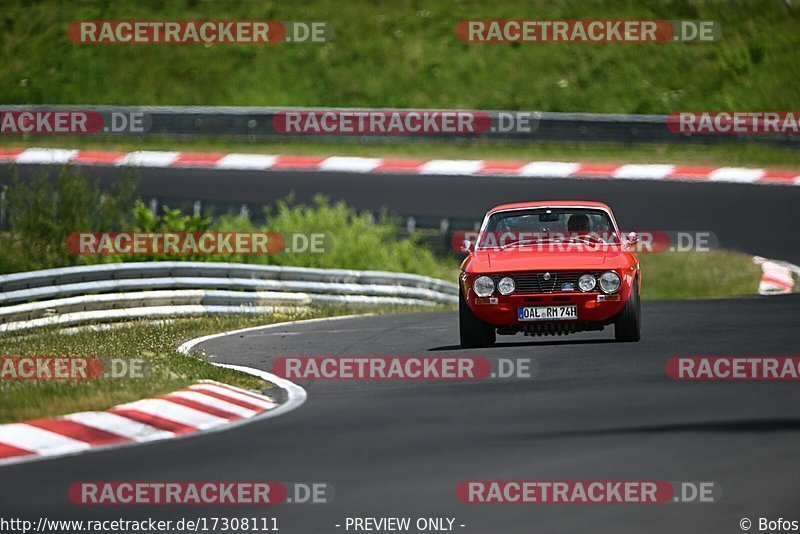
pixel 549 268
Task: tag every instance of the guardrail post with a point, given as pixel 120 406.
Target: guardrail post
pixel 3 208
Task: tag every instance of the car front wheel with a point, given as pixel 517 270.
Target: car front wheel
pixel 628 325
pixel 474 333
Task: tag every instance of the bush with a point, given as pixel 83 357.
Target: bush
pixel 42 213
pixel 353 240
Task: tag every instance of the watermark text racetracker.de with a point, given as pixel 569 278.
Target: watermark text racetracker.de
pixel 402 368
pixel 587 31
pixel 587 492
pixel 72 368
pixel 20 121
pixel 646 242
pixel 196 243
pixel 733 368
pixel 402 122
pixel 207 32
pixel 212 493
pixel 735 122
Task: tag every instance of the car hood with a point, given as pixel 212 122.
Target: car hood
pixel 512 260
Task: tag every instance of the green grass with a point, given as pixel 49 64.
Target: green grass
pixel 738 154
pixel 694 275
pixel 154 342
pixel 405 54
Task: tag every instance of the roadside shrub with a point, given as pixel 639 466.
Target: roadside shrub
pixel 353 240
pixel 42 212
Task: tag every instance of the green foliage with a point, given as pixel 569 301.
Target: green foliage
pixel 170 220
pixel 42 215
pixel 44 212
pixel 352 240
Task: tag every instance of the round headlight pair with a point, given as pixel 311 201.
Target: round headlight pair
pixel 609 282
pixel 484 286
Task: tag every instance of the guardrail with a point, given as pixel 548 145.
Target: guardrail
pixel 258 122
pixel 115 291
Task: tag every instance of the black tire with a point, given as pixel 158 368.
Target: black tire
pixel 628 324
pixel 474 333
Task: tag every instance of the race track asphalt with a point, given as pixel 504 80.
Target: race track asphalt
pixel 596 410
pixel 755 219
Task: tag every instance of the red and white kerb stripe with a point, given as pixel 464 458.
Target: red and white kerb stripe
pixel 204 405
pixel 530 169
pixel 777 277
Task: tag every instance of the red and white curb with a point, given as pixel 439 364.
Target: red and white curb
pixel 202 407
pixel 777 277
pixel 530 169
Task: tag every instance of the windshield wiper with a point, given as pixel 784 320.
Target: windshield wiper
pixel 527 241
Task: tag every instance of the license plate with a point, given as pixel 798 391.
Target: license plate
pixel 547 313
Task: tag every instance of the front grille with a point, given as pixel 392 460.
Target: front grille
pixel 552 329
pixel 549 329
pixel 534 283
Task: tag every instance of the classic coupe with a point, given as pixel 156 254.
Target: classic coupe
pixel 549 268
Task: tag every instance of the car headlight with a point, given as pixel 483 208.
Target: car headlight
pixel 587 282
pixel 506 285
pixel 483 286
pixel 609 282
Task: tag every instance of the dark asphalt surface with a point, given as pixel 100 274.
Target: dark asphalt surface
pixel 755 219
pixel 597 410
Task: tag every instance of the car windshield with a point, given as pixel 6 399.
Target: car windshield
pixel 548 225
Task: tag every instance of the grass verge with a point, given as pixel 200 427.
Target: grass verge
pixel 696 275
pixel 154 342
pixel 406 54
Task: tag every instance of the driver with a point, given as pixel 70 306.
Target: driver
pixel 578 222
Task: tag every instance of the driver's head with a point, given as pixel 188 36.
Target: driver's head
pixel 578 223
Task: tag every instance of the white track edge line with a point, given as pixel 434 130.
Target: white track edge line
pixel 187 346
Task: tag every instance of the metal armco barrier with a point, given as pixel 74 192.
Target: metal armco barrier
pixel 107 292
pixel 258 122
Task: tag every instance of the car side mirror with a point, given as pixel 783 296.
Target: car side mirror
pixel 466 246
pixel 632 238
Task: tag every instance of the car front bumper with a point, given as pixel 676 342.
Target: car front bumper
pixel 593 308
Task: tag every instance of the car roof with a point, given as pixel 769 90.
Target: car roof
pixel 552 204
